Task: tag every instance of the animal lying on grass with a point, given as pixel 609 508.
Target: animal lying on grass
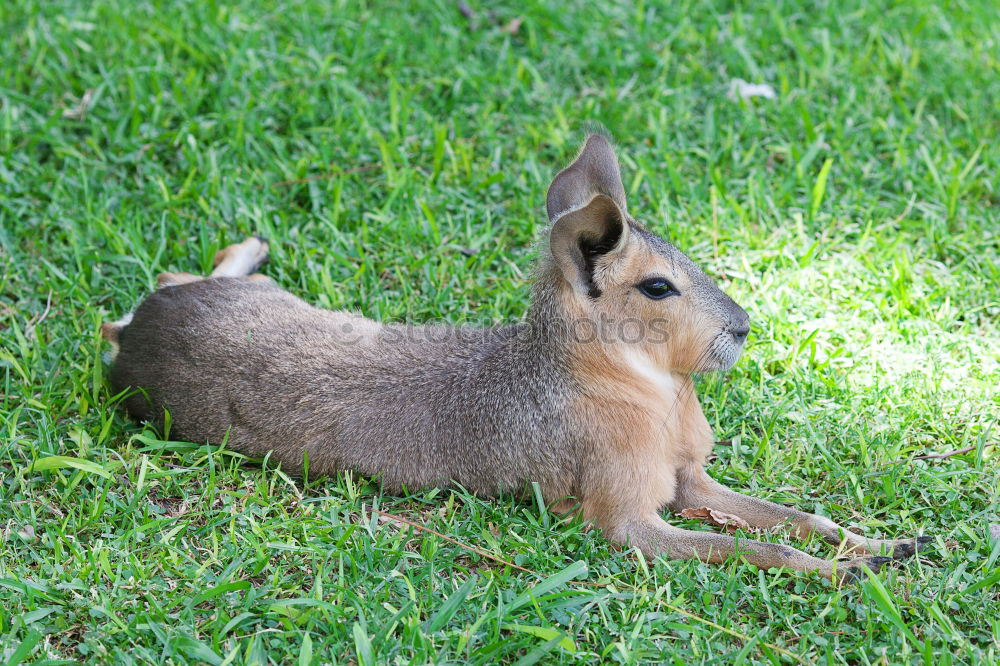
pixel 591 396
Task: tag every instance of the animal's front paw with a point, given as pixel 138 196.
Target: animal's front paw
pixel 852 571
pixel 909 547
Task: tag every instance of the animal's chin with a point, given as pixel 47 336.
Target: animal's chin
pixel 729 363
pixel 722 355
pixel 714 365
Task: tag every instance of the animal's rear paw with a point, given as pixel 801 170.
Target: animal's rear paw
pixel 245 257
pixel 908 548
pixel 852 570
pixel 261 256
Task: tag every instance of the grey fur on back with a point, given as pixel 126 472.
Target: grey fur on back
pixel 419 406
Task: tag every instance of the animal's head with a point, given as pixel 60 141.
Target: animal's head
pixel 639 292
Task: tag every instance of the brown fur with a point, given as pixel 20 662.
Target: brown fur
pixel 604 422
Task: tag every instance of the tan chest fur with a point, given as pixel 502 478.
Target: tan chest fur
pixel 644 426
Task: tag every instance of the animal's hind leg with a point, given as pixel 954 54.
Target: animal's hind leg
pixel 241 259
pixel 236 260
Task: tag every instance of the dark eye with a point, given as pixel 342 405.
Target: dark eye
pixel 656 288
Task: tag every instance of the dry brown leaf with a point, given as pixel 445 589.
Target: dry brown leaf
pixel 718 518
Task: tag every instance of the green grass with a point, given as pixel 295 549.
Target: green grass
pixel 420 147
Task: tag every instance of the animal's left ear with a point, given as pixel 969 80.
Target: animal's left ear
pixel 595 171
pixel 579 237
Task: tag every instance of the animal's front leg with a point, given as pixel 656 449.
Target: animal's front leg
pixel 624 505
pixel 654 536
pixel 695 489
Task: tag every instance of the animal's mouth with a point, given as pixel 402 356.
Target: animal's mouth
pixel 725 351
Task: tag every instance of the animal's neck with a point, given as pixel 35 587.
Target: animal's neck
pixel 667 384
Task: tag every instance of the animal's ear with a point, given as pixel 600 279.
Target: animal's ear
pixel 582 235
pixel 595 171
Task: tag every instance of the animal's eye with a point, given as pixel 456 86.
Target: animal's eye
pixel 656 288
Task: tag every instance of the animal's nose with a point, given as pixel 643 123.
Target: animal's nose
pixel 739 322
pixel 740 331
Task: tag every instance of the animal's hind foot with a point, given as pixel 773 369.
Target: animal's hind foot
pixel 110 330
pixel 241 259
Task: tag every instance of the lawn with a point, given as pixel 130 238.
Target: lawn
pixel 397 155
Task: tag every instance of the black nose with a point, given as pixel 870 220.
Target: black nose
pixel 740 334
